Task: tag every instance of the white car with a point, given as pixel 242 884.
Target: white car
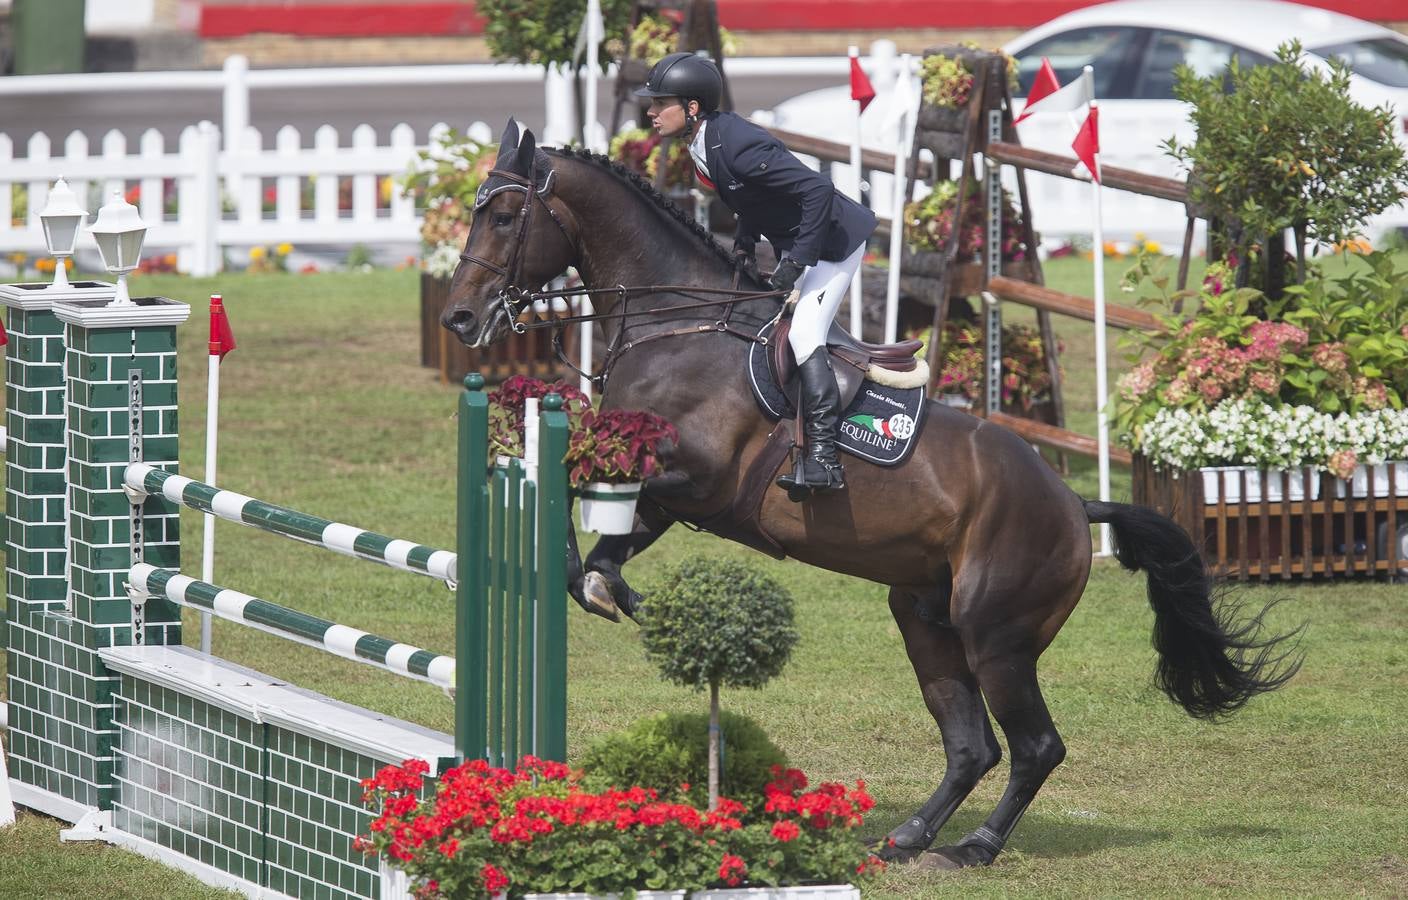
pixel 1133 47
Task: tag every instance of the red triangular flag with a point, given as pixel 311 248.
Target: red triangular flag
pixel 222 337
pixel 4 336
pixel 1043 86
pixel 861 89
pixel 1087 142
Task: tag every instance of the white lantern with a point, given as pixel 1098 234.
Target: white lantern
pixel 119 231
pixel 61 217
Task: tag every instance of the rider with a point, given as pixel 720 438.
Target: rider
pixel 818 233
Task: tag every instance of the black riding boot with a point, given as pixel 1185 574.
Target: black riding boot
pixel 819 469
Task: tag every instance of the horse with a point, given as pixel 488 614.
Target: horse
pixel 985 550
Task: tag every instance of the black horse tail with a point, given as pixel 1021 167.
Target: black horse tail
pixel 1208 664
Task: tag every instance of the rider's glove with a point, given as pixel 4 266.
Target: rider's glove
pixel 785 277
pixel 744 260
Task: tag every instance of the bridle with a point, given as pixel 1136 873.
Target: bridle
pixel 514 299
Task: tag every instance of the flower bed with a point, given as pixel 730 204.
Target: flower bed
pixel 1255 433
pixel 482 831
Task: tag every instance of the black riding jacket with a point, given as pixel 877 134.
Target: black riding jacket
pixel 777 197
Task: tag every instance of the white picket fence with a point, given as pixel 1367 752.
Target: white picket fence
pixel 250 191
pixel 326 194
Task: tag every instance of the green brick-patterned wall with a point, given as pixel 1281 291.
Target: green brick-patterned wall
pixel 233 793
pixel 189 776
pixel 315 812
pixel 67 537
pixel 58 707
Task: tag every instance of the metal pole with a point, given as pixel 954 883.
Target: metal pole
pixel 993 400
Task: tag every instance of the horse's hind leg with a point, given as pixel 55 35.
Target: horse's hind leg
pixel 951 693
pixel 1010 687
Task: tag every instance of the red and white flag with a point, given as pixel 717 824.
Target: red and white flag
pixel 861 89
pixel 1087 142
pixel 1047 95
pixel 222 336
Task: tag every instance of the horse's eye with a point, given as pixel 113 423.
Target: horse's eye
pixel 502 219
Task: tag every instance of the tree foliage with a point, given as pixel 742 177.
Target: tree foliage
pixel 718 622
pixel 545 31
pixel 1286 147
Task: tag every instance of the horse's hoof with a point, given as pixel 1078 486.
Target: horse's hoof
pixel 964 856
pixel 631 606
pixel 893 853
pixel 905 842
pixel 597 594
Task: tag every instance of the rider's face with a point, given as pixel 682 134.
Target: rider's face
pixel 668 115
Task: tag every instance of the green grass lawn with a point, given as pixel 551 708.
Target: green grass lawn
pixel 325 409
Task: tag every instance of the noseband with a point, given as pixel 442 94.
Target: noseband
pixel 511 296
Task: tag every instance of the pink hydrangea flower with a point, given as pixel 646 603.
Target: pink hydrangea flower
pixel 1331 358
pixel 1137 382
pixel 1342 463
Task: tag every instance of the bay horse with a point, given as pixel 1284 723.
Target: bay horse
pixel 984 548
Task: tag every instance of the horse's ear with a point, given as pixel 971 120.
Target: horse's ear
pixel 508 144
pixel 526 148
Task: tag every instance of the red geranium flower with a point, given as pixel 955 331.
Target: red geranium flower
pixel 785 830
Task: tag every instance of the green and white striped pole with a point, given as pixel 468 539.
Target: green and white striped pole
pixel 348 540
pixel 341 640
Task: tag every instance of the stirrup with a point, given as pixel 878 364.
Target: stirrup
pixel 799 488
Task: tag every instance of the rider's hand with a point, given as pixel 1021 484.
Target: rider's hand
pixel 784 278
pixel 744 259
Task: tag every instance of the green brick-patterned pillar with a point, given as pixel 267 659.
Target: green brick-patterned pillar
pixel 35 536
pixel 113 353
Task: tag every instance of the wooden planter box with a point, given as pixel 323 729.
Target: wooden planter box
pixel 1304 524
pixel 528 354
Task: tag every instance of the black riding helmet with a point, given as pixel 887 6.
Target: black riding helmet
pixel 686 76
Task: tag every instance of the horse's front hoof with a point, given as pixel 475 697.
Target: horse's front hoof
pixel 906 842
pixel 597 594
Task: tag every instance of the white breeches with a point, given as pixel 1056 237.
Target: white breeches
pixel 823 286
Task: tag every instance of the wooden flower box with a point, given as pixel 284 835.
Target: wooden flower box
pixel 528 354
pixel 1276 525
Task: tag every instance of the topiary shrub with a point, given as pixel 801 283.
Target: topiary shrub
pixel 668 750
pixel 716 622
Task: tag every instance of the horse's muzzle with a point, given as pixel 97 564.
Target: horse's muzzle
pixel 464 324
pixel 473 333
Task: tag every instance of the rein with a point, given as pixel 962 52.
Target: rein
pixel 615 349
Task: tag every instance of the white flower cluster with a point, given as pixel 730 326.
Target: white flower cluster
pixel 442 260
pixel 1250 433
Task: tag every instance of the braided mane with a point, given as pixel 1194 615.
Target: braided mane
pixel 645 187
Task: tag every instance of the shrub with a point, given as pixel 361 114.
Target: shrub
pixel 1286 147
pixel 667 751
pixel 717 622
pixel 545 31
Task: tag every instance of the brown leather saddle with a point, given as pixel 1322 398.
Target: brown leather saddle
pixel 851 359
